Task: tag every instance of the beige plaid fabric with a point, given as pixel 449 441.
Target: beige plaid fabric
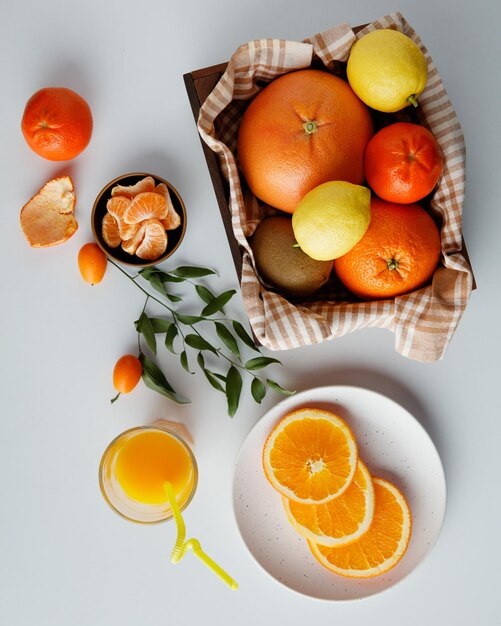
pixel 423 321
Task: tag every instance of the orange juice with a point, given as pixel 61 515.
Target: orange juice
pixel 144 462
pixel 135 467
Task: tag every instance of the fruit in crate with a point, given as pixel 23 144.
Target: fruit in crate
pixel 398 253
pixel 304 129
pixel 387 70
pixel 281 264
pixel 331 219
pixel 403 162
pixel 47 219
pixel 57 123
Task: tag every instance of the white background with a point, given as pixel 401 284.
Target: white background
pixel 65 558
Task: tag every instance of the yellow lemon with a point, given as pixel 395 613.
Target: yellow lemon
pixel 331 219
pixel 387 70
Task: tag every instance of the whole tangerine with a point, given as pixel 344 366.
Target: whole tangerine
pixel 398 253
pixel 57 123
pixel 303 129
pixel 92 263
pixel 403 162
pixel 126 374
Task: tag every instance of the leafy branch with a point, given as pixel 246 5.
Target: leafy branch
pixel 183 335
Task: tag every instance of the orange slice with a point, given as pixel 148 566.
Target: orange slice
pixel 154 242
pixel 143 185
pixel 109 231
pixel 116 206
pixel 341 520
pixel 381 547
pixel 173 219
pixel 310 456
pixel 145 206
pixel 47 218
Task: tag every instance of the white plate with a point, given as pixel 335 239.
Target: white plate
pixel 393 445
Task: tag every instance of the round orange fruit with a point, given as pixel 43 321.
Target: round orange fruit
pixel 92 263
pixel 304 129
pixel 403 162
pixel 57 123
pixel 398 253
pixel 126 374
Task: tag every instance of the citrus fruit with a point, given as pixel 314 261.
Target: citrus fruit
pixel 57 123
pixel 154 241
pixel 173 219
pixel 130 191
pixel 305 128
pixel 92 263
pixel 126 374
pixel 398 253
pixel 285 267
pixel 110 232
pixel 387 70
pixel 331 219
pixel 381 547
pixel 310 456
pixel 47 218
pixel 145 206
pixel 403 162
pixel 339 521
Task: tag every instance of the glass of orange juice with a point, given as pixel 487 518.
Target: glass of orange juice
pixel 135 467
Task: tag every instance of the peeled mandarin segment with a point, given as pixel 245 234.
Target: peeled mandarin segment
pixel 339 521
pixel 127 231
pixel 47 218
pixel 145 206
pixel 381 547
pixel 116 207
pixel 131 245
pixel 154 242
pixel 143 185
pixel 310 456
pixel 109 230
pixel 173 220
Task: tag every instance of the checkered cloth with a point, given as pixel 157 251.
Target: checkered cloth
pixel 423 321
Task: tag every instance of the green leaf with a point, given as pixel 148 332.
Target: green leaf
pixel 218 302
pixel 173 298
pixel 169 338
pixel 146 272
pixel 244 335
pixel 187 271
pixel 160 325
pixel 227 338
pixel 157 284
pixel 207 296
pixel 258 390
pixel 189 319
pixel 259 362
pixel 145 327
pixel 220 376
pixel 184 362
pixel 233 389
pixel 154 378
pixel 169 278
pixel 199 343
pixel 273 385
pixel 211 376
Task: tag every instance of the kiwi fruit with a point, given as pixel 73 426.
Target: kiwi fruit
pixel 283 266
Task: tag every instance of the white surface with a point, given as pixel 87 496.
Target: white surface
pixel 391 443
pixel 65 558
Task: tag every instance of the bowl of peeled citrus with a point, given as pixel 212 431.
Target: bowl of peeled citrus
pixel 138 219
